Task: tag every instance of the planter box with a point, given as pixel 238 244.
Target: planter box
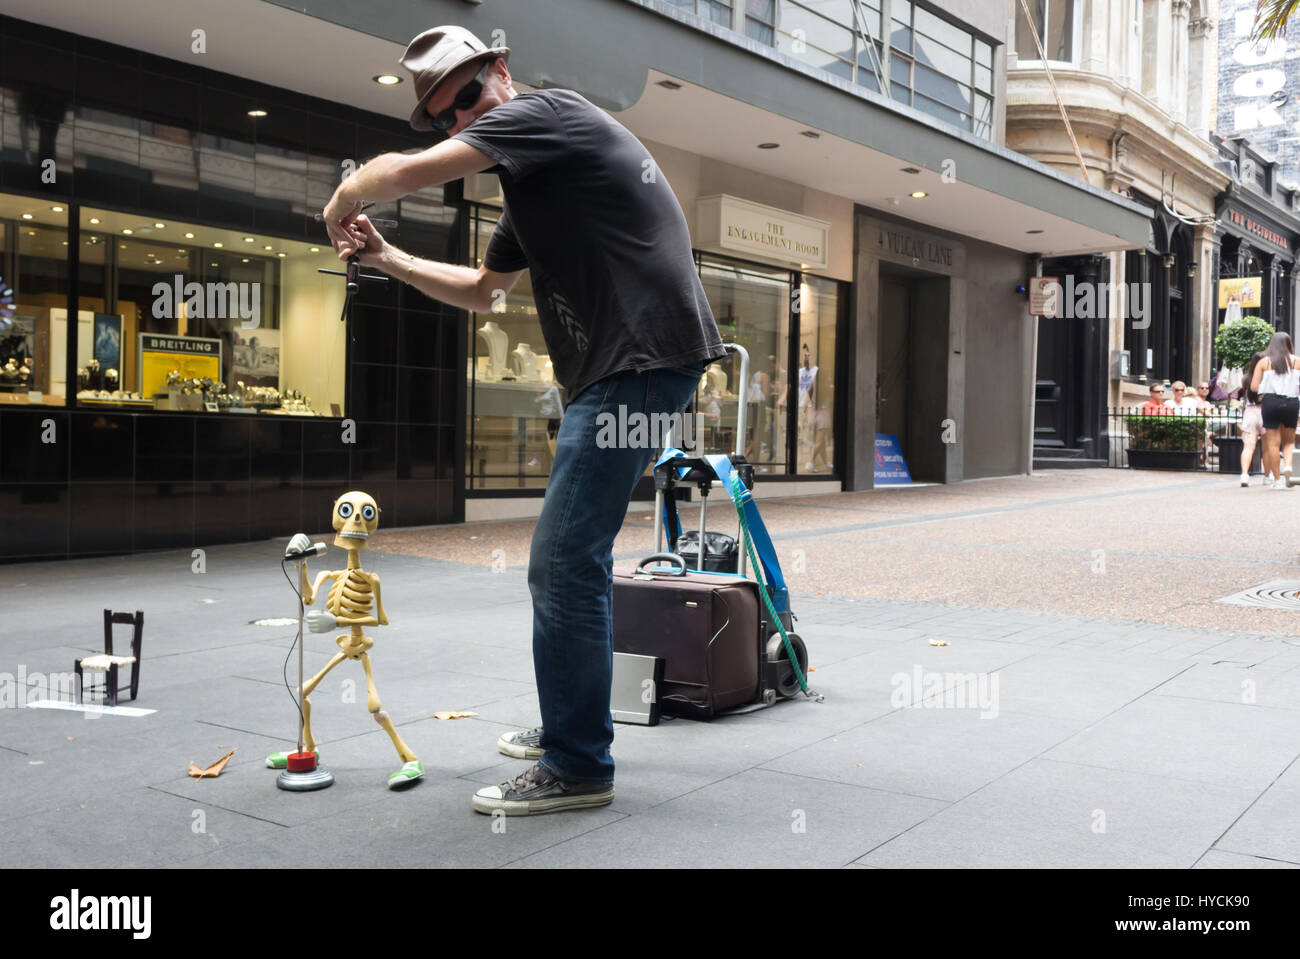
pixel 1164 459
pixel 1230 454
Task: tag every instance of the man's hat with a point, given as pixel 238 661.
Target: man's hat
pixel 434 55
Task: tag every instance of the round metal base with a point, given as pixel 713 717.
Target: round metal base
pixel 318 778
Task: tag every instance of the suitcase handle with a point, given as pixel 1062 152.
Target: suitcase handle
pixel 671 558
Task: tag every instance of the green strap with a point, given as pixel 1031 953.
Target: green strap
pixel 737 490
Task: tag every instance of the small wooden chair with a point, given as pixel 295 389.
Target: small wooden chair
pixel 108 663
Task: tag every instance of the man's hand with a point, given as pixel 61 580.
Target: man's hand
pixel 375 251
pixel 339 214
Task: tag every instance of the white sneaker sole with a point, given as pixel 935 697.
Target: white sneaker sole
pixel 516 751
pixel 537 807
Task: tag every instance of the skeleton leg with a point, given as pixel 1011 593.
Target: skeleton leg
pixel 309 740
pixel 377 710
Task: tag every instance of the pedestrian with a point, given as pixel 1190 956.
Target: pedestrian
pixel 627 325
pixel 1277 381
pixel 1252 426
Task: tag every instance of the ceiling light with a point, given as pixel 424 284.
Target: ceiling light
pixel 31 232
pixel 257 113
pixel 387 79
pixel 94 219
pixel 27 216
pixel 1033 231
pixel 911 169
pixel 56 209
pixel 160 226
pixel 281 254
pixel 810 134
pixel 919 194
pixel 669 84
pixel 128 231
pixel 267 247
pixel 188 236
pixel 218 245
pixel 250 239
pixel 315 249
pixel 768 146
pixel 245 260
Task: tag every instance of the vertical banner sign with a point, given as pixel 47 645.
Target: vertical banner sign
pixel 891 468
pixel 1258 84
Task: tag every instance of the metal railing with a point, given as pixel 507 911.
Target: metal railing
pixel 1175 440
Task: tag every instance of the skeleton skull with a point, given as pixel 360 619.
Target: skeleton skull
pixel 356 515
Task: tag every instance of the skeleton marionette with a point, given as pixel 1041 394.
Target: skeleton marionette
pixel 356 515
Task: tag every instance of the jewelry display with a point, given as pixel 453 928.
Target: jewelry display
pixel 495 341
pixel 523 361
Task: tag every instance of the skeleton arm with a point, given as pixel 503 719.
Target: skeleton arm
pixel 379 603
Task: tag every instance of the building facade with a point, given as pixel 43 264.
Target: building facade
pixel 1134 77
pixel 858 222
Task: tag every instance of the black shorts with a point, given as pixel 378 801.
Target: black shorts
pixel 1279 411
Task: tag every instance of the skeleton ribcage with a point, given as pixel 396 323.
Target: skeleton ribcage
pixel 350 596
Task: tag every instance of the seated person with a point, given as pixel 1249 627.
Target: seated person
pixel 1156 406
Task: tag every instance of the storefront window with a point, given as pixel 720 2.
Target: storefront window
pixel 752 307
pixel 514 404
pixel 33 301
pixel 818 314
pixel 180 316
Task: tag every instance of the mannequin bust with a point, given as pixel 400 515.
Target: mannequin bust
pixel 495 340
pixel 524 362
pixel 716 379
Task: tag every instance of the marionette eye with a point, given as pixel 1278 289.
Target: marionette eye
pixel 345 510
pixel 367 512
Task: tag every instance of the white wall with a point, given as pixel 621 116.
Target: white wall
pixel 312 340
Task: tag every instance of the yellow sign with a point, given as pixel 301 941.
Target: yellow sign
pixel 1245 290
pixel 195 357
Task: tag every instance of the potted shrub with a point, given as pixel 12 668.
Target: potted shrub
pixel 1170 442
pixel 1235 344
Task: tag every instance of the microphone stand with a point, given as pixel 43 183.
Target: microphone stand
pixel 353 272
pixel 303 773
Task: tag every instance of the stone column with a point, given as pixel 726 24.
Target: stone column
pixel 1179 74
pixel 1202 308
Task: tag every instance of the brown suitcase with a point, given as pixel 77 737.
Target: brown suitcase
pixel 707 627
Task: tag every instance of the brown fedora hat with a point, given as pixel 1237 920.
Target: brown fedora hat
pixel 435 54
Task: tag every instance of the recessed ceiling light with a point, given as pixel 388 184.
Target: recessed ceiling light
pixel 257 113
pixel 669 84
pixel 56 209
pixel 387 79
pixel 188 236
pixel 128 231
pixel 267 247
pixel 65 242
pixel 214 264
pixel 27 216
pixel 315 249
pixel 1033 231
pixel 94 219
pixel 281 254
pixel 810 134
pixel 160 226
pixel 218 245
pixel 768 146
pixel 919 194
pixel 250 239
pixel 245 260
pixel 31 232
pixel 911 169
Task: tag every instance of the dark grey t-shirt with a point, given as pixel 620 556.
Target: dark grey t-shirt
pixel 589 214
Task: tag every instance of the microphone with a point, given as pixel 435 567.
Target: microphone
pixel 315 549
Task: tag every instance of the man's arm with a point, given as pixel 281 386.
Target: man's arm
pixel 392 176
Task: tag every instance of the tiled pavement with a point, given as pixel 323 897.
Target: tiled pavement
pixel 1039 735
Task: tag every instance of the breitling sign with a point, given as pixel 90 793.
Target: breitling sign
pixel 762 231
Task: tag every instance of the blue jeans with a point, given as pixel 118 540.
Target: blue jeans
pixel 570 569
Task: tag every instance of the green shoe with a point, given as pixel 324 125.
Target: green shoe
pixel 408 773
pixel 281 760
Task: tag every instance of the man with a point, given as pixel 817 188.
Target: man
pixel 1156 405
pixel 626 324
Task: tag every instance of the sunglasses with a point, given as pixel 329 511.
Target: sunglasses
pixel 467 97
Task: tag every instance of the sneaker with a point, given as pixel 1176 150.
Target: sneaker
pixel 1278 484
pixel 1245 479
pixel 537 790
pixel 525 744
pixel 409 772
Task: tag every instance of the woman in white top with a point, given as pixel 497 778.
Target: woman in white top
pixel 1252 424
pixel 1277 381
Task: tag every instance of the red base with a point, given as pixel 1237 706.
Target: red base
pixel 301 762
